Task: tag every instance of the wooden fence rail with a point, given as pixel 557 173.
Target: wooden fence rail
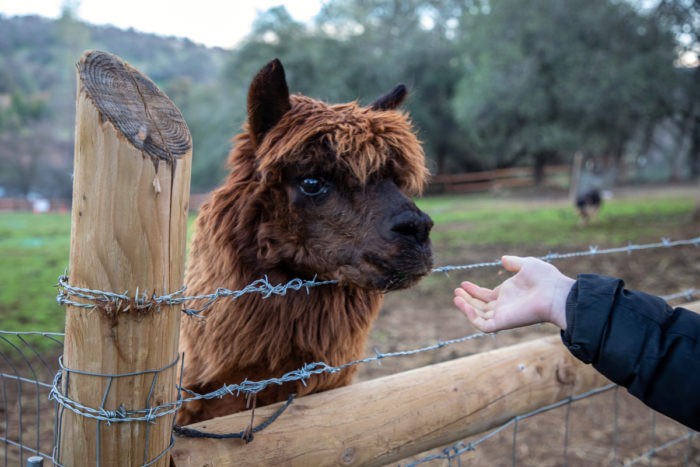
pixel 388 419
pixel 492 179
pixel 385 420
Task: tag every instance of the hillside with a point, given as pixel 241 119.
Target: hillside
pixel 37 89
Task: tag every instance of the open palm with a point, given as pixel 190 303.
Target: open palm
pixel 536 293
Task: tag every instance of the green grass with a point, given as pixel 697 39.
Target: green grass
pixel 33 253
pixel 461 221
pixel 34 249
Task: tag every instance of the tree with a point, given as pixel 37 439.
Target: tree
pixel 682 19
pixel 549 77
pixel 359 50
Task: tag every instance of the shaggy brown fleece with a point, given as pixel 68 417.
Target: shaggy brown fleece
pixel 315 190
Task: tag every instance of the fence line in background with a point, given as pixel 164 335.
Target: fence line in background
pixel 511 177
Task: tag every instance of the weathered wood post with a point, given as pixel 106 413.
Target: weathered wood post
pixel 130 200
pixel 576 166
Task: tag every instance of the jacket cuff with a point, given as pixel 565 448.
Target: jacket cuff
pixel 588 307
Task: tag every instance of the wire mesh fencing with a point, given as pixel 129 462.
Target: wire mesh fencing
pixel 588 429
pixel 32 401
pixel 27 416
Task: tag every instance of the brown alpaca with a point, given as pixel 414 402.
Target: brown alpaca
pixel 315 190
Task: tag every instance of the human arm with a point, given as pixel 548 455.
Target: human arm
pixel 637 341
pixel 634 339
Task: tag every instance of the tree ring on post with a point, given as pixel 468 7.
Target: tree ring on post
pixel 135 106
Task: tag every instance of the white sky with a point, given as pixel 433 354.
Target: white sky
pixel 210 22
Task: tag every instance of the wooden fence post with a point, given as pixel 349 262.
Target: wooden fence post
pixel 128 233
pixel 576 166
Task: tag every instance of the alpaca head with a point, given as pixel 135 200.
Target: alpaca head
pixel 332 187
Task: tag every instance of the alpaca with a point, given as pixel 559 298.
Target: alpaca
pixel 315 190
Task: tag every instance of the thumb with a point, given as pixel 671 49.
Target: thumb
pixel 512 263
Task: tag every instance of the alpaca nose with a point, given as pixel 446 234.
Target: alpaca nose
pixel 414 224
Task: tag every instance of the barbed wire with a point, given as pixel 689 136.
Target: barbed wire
pixel 253 387
pixel 68 294
pixel 687 294
pixel 592 251
pixel 306 371
pixel 142 301
pixel 123 302
pixel 653 451
pixel 262 286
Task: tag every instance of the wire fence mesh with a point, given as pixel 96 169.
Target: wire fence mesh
pixel 29 364
pixel 32 400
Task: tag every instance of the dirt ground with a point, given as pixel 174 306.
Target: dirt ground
pixel 423 315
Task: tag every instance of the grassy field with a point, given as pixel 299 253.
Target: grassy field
pixel 477 222
pixel 34 248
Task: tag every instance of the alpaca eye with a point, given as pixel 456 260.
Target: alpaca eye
pixel 312 187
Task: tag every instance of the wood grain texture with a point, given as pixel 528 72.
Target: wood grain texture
pixel 385 420
pixel 128 233
pixel 119 91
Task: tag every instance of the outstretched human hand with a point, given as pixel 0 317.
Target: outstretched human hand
pixel 536 293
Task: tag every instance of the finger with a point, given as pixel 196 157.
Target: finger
pixel 465 308
pixel 478 305
pixel 477 308
pixel 483 324
pixel 512 263
pixel 481 293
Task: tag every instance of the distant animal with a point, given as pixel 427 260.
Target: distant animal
pixel 587 205
pixel 315 191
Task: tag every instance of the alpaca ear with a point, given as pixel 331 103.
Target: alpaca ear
pixel 390 100
pixel 268 100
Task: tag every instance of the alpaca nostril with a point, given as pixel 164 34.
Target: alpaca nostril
pixel 413 224
pixel 408 229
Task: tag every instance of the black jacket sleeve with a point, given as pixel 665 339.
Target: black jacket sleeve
pixel 637 341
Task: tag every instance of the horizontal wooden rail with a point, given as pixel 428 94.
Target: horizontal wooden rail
pixel 557 169
pixel 485 186
pixel 489 179
pixel 387 419
pixel 484 175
